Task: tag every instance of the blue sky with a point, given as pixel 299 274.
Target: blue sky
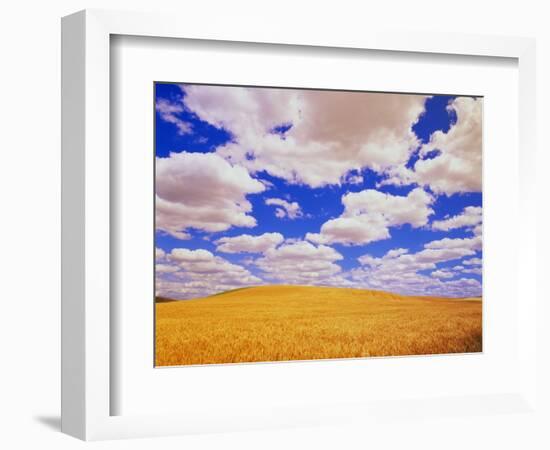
pixel 280 186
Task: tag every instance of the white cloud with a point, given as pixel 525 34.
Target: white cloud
pixel 354 179
pixel 184 255
pixel 425 259
pixel 458 166
pixel 292 240
pixel 197 273
pixel 471 243
pixel 159 254
pixel 280 213
pixel 474 270
pixel 369 214
pixel 472 262
pixel 396 252
pixel 410 282
pixel 429 255
pixel 332 133
pixel 471 216
pixel 168 112
pixel 397 210
pixel 301 263
pixel 478 230
pixel 356 230
pixel 442 274
pixel 165 268
pixel 400 271
pixel 202 191
pixel 246 243
pixel 291 210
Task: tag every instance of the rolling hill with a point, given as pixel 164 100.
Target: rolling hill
pixel 281 323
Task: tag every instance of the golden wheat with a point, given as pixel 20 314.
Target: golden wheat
pixel 278 323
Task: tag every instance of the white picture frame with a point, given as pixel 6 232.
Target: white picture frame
pixel 86 246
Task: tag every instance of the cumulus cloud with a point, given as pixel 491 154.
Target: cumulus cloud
pixel 354 179
pixel 159 254
pixel 414 283
pixel 472 262
pixel 246 243
pixel 301 263
pixel 422 260
pixel 165 268
pixel 369 214
pixel 470 217
pixel 404 272
pixel 457 167
pixel 197 273
pixel 442 274
pixel 202 191
pixel 328 133
pixel 290 210
pixel 169 113
pixel 429 255
pixel 356 230
pixel 474 270
pixel 470 243
pixel 184 255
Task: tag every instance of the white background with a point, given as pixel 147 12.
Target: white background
pixel 29 177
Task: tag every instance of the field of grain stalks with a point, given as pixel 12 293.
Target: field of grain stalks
pixel 282 323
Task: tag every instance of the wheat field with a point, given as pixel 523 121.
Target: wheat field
pixel 282 323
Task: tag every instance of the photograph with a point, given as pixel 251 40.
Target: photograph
pixel 298 224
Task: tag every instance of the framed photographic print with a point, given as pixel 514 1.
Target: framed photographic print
pixel 277 243
pixel 303 224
